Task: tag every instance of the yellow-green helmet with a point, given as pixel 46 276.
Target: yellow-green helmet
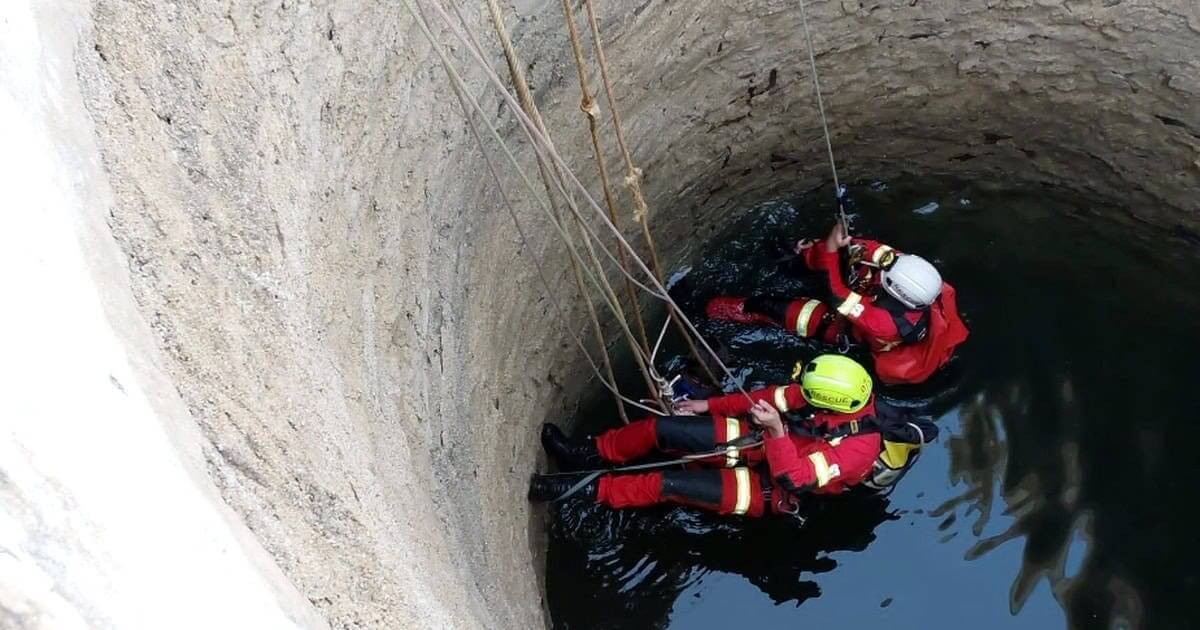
pixel 832 381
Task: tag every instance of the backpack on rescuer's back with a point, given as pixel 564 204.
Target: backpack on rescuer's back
pixel 901 439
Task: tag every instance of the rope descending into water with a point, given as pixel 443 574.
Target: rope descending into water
pixel 527 103
pixel 588 106
pixel 463 96
pixel 542 142
pixel 633 175
pixel 812 61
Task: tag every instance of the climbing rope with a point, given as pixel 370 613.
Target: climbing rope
pixel 462 97
pixel 839 192
pixel 588 106
pixel 525 179
pixel 541 142
pixel 655 383
pixel 460 85
pixel 640 352
pixel 521 86
pixel 633 174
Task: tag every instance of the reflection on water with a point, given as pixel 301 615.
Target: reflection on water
pixel 1062 492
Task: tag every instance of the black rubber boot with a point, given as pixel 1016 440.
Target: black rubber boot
pixel 570 454
pixel 552 487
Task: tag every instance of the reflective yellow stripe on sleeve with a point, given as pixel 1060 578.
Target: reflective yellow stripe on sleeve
pixel 821 468
pixel 781 398
pixel 848 304
pixel 742 476
pixel 883 255
pixel 805 315
pixel 733 431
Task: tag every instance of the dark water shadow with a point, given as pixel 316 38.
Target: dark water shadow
pixel 1068 449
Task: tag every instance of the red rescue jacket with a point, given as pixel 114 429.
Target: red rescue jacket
pixel 802 463
pixel 876 327
pixel 863 264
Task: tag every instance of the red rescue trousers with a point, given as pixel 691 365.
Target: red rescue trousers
pixel 724 483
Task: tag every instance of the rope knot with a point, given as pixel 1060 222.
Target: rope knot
pixel 589 107
pixel 633 180
pixel 633 177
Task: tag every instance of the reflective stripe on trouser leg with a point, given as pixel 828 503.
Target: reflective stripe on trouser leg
pixel 741 492
pixel 721 490
pixel 733 430
pixel 741 477
pixel 805 319
pixel 804 316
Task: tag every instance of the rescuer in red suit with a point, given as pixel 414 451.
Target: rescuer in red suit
pixel 833 391
pixel 893 303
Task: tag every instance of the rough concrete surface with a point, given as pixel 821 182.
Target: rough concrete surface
pixel 344 338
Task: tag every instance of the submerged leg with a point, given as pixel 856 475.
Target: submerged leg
pixel 813 319
pixel 735 309
pixel 808 317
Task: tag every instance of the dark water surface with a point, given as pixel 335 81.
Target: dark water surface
pixel 1062 492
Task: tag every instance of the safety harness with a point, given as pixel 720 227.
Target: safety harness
pixel 909 332
pixel 901 440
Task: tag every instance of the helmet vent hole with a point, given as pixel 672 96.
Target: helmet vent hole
pixel 810 367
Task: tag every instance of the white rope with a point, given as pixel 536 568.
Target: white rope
pixel 812 60
pixel 599 279
pixel 539 139
pixel 661 335
pixel 459 94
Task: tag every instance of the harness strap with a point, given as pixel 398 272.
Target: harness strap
pixel 909 332
pixel 858 426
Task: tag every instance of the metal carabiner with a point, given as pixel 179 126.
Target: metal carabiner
pixel 787 504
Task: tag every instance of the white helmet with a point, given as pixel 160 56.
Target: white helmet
pixel 912 281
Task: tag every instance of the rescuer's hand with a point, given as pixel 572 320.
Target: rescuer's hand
pixel 692 407
pixel 768 418
pixel 837 238
pixel 803 244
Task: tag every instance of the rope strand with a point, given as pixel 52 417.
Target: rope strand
pixel 633 174
pixel 640 353
pixel 459 91
pixel 812 60
pixel 540 139
pixel 521 86
pixel 588 106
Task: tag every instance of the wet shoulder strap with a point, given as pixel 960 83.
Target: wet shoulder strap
pixel 909 332
pixel 858 426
